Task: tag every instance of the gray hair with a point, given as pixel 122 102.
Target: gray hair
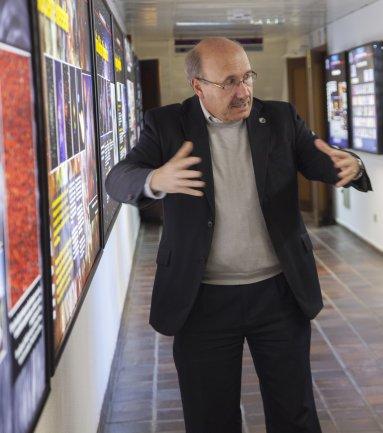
pixel 193 64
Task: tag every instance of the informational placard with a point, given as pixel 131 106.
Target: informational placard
pixel 366 89
pixel 121 92
pixel 107 117
pixel 66 65
pixel 337 102
pixel 22 324
pixel 130 74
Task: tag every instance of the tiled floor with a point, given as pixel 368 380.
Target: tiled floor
pixel 346 351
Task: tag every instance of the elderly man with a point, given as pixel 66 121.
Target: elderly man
pixel 235 260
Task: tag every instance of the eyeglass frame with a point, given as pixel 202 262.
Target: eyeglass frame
pixel 254 76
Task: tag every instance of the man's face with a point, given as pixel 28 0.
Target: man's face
pixel 218 67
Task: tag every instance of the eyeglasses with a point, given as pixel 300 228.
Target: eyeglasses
pixel 231 83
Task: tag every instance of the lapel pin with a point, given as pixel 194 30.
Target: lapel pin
pixel 262 120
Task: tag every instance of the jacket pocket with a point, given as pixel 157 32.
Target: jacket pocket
pixel 307 241
pixel 163 257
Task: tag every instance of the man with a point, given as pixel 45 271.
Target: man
pixel 235 260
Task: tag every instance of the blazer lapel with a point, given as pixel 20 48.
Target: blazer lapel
pixel 195 130
pixel 259 130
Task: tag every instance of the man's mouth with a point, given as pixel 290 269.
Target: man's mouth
pixel 239 104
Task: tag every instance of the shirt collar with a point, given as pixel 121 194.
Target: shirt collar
pixel 209 117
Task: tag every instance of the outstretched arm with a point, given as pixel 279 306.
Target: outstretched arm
pixel 317 160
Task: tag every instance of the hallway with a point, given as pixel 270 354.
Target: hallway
pixel 346 352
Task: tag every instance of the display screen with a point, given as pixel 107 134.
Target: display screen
pixel 22 340
pixel 106 105
pixel 121 92
pixel 71 154
pixel 130 73
pixel 365 69
pixel 337 104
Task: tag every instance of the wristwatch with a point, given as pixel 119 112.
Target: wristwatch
pixel 361 169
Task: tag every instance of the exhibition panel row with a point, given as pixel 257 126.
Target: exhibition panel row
pixel 354 89
pixel 70 108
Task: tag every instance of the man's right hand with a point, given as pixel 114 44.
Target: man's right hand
pixel 174 176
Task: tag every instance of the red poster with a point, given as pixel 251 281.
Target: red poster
pixel 20 176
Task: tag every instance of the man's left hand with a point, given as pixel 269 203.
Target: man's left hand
pixel 346 162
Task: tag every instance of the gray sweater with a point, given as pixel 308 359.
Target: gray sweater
pixel 241 251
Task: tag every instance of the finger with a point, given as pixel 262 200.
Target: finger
pixel 190 191
pixel 327 149
pixel 184 150
pixel 187 162
pixel 344 181
pixel 188 174
pixel 192 183
pixel 343 163
pixel 349 172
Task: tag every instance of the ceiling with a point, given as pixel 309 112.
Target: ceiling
pixel 164 19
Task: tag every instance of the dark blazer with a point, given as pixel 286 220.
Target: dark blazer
pixel 281 145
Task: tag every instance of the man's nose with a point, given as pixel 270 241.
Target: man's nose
pixel 241 90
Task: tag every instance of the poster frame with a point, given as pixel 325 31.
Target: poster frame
pixel 115 24
pixel 53 355
pixel 35 99
pixel 104 236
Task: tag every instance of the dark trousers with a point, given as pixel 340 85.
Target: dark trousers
pixel 208 356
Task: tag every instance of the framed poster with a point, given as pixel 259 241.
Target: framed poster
pixel 22 304
pixel 337 100
pixel 71 164
pixel 130 87
pixel 366 94
pixel 121 92
pixel 138 90
pixel 106 99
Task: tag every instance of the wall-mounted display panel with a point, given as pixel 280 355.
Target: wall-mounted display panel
pixel 23 370
pixel 106 98
pixel 337 100
pixel 121 92
pixel 67 80
pixel 366 93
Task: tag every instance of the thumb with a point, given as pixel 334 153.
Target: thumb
pixel 184 150
pixel 324 147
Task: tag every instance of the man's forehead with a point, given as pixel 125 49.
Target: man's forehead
pixel 225 64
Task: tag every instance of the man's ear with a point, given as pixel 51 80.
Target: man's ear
pixel 197 87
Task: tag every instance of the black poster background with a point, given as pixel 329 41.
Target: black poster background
pixel 106 105
pixel 73 203
pixel 121 92
pixel 23 373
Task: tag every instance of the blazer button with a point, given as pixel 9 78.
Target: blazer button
pixel 210 223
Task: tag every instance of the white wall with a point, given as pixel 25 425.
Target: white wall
pixel 362 26
pixel 80 381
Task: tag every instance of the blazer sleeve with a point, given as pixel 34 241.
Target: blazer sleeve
pixel 314 164
pixel 126 180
